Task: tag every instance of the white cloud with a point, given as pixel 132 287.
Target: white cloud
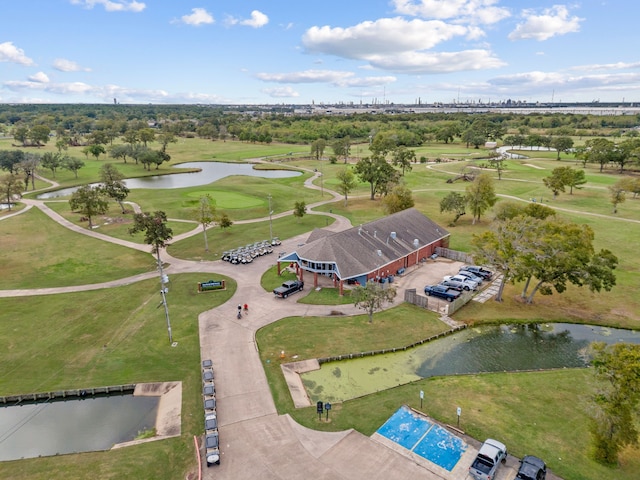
pixel 366 81
pixel 10 53
pixel 553 21
pixel 64 65
pixel 112 5
pixel 36 90
pixel 399 45
pixel 199 16
pixel 469 11
pixel 334 77
pixel 257 20
pixel 281 92
pixel 306 76
pixel 39 77
pixel 608 66
pixel 438 62
pixel 57 88
pixel 386 36
pixel 564 84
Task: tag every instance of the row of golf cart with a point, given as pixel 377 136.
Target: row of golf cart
pixel 211 437
pixel 246 254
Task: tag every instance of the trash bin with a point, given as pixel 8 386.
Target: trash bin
pixel 390 278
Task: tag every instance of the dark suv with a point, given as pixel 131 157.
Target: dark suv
pixel 532 468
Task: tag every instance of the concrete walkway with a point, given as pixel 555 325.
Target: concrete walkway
pixel 257 443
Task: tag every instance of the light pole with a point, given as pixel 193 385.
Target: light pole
pixel 270 223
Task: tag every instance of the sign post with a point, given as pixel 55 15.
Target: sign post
pixel 327 407
pixel 459 412
pixel 421 398
pixel 320 408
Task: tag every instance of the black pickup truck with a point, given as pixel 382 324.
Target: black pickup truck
pixel 289 287
pixel 442 291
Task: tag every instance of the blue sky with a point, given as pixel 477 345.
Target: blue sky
pixel 311 51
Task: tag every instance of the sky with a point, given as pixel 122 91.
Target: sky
pixel 318 52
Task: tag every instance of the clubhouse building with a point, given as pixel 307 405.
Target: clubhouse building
pixel 377 251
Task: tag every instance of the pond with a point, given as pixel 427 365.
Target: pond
pixel 473 350
pixel 209 172
pixel 71 426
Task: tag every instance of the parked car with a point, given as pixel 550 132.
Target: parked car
pixel 212 449
pixel 471 276
pixel 288 287
pixel 449 294
pixel 462 281
pixel 490 455
pixel 532 468
pixel 478 271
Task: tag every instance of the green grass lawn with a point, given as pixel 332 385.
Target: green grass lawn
pixel 108 337
pixel 116 224
pixel 37 253
pixel 240 197
pixel 95 338
pixel 541 413
pixel 320 337
pixel 185 150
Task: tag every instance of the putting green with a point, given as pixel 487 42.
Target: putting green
pixel 229 200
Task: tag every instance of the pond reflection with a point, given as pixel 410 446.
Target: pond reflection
pixel 209 172
pixel 84 425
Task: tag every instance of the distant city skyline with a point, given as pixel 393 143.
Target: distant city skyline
pixel 312 52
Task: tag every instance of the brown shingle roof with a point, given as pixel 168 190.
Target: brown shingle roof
pixel 361 250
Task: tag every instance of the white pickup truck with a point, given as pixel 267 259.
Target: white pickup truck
pixel 489 457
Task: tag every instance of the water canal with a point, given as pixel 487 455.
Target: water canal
pixel 209 172
pixel 71 426
pixel 473 350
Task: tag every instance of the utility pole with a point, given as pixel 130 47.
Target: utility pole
pixel 270 223
pixel 164 280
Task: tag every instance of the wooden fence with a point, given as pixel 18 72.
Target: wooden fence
pixel 59 394
pixel 389 350
pixel 438 305
pixel 454 255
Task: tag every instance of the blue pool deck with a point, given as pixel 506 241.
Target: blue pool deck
pixel 422 438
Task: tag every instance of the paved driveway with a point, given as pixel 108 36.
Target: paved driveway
pixel 257 443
